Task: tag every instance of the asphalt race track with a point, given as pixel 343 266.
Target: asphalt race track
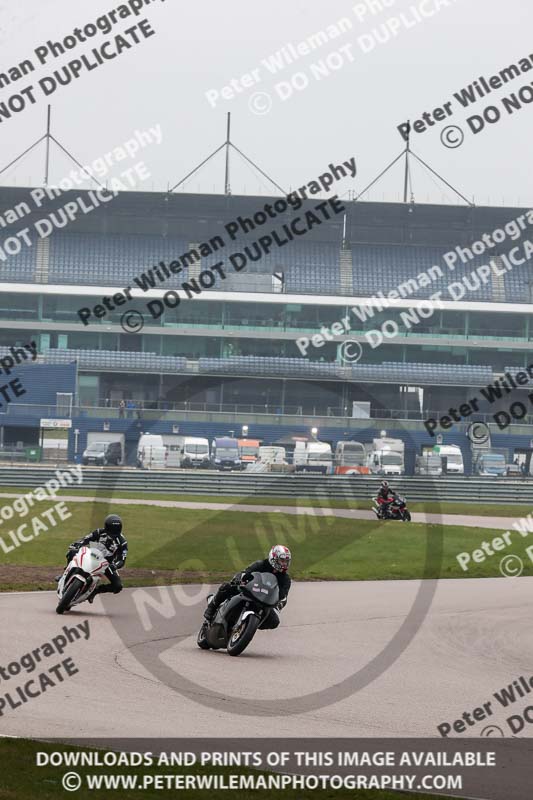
pixel 497 523
pixel 476 638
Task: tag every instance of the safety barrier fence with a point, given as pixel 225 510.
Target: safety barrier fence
pixel 219 484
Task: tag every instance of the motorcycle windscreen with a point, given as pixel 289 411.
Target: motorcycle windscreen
pixel 264 588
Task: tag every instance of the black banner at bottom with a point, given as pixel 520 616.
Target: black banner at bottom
pixel 489 769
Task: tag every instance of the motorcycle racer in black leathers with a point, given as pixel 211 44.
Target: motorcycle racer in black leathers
pixel 110 536
pixel 277 563
pixel 384 498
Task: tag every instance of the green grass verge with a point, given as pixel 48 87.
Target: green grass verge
pixel 483 510
pixel 193 544
pixel 22 779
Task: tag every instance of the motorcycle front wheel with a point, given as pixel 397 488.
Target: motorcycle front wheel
pixel 68 598
pixel 242 634
pixel 201 640
pixel 407 516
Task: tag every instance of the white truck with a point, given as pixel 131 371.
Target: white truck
pixel 313 457
pixel 385 456
pixel 454 458
pixel 350 458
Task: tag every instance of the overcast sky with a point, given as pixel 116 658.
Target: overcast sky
pixel 203 45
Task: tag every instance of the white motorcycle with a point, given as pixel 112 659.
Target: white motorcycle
pixel 81 576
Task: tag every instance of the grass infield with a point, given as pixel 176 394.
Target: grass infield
pixel 182 545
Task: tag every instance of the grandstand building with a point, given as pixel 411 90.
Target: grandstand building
pixel 259 344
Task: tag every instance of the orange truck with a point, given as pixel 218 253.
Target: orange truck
pixel 248 451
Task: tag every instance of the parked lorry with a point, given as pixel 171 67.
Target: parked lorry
pixel 248 451
pixel 313 457
pixel 350 459
pixel 385 456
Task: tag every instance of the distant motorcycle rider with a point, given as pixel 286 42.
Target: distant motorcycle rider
pixel 385 497
pixel 110 536
pixel 277 562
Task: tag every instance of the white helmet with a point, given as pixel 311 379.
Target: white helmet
pixel 280 558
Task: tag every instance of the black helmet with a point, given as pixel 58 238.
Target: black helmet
pixel 385 485
pixel 113 525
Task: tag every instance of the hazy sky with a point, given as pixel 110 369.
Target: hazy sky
pixel 372 88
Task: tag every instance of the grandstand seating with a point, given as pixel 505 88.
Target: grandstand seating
pixel 115 259
pixel 385 267
pixel 513 370
pixel 110 260
pixel 309 267
pixel 20 267
pixel 518 284
pixel 453 374
pixel 465 375
pixel 388 371
pixel 268 365
pixel 110 359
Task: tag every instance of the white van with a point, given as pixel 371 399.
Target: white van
pixel 151 452
pixel 195 452
pixel 454 458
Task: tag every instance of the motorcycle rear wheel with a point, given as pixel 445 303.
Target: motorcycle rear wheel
pixel 68 598
pixel 239 640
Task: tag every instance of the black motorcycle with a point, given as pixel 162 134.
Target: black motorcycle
pixel 396 510
pixel 238 618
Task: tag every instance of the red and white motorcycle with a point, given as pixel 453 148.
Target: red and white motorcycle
pixel 81 576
